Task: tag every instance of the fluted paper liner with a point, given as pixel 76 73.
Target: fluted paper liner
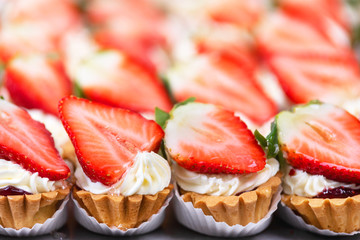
pixel 119 215
pixel 231 216
pixel 330 217
pixel 33 215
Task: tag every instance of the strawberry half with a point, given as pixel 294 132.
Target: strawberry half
pixel 36 81
pixel 306 78
pixel 227 11
pixel 28 143
pixel 219 79
pixel 134 27
pixel 328 17
pixel 286 35
pixel 321 139
pixel 23 38
pixel 110 77
pixel 107 139
pixel 209 139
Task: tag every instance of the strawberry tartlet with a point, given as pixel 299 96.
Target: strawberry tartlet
pixel 32 174
pixel 120 180
pixel 318 146
pixel 219 167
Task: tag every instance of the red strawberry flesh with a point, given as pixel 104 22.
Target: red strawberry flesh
pixel 321 139
pixel 112 78
pixel 205 138
pixel 217 79
pixel 28 143
pixel 37 82
pixel 107 139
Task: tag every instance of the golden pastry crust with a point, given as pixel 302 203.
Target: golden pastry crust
pixel 120 211
pixel 336 214
pixel 21 211
pixel 247 207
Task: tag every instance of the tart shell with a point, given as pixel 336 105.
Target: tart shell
pixel 122 212
pixel 336 214
pixel 247 207
pixel 24 211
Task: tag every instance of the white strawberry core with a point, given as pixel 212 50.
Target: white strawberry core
pixel 100 66
pixel 182 126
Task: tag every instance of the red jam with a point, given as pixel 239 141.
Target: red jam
pixel 340 192
pixel 292 172
pixel 11 190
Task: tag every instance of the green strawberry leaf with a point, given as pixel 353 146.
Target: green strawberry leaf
pixel 261 139
pixel 78 90
pixel 272 142
pixel 161 117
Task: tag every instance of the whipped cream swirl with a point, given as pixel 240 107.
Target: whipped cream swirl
pixel 304 184
pixel 223 184
pixel 149 174
pixel 12 174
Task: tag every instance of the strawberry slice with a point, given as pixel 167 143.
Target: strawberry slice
pixel 328 17
pixel 53 18
pixel 233 47
pixel 307 78
pixel 110 77
pixel 23 38
pixel 209 139
pixel 283 34
pixel 28 143
pixel 107 139
pixel 134 27
pixel 321 139
pixel 227 11
pixel 218 79
pixel 36 81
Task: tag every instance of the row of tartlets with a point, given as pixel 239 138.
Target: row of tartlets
pixel 118 165
pixel 227 180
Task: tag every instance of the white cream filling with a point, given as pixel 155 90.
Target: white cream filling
pixel 304 184
pixel 223 184
pixel 12 174
pixel 149 174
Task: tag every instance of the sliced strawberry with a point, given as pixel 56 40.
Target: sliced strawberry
pixel 233 48
pixel 218 79
pixel 28 143
pixel 53 18
pixel 307 78
pixel 135 27
pixel 209 139
pixel 321 139
pixel 23 38
pixel 282 34
pixel 107 139
pixel 112 78
pixel 36 81
pixel 227 11
pixel 327 17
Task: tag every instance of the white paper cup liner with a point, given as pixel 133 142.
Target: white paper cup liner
pixel 290 217
pixel 93 225
pixel 196 220
pixel 55 222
